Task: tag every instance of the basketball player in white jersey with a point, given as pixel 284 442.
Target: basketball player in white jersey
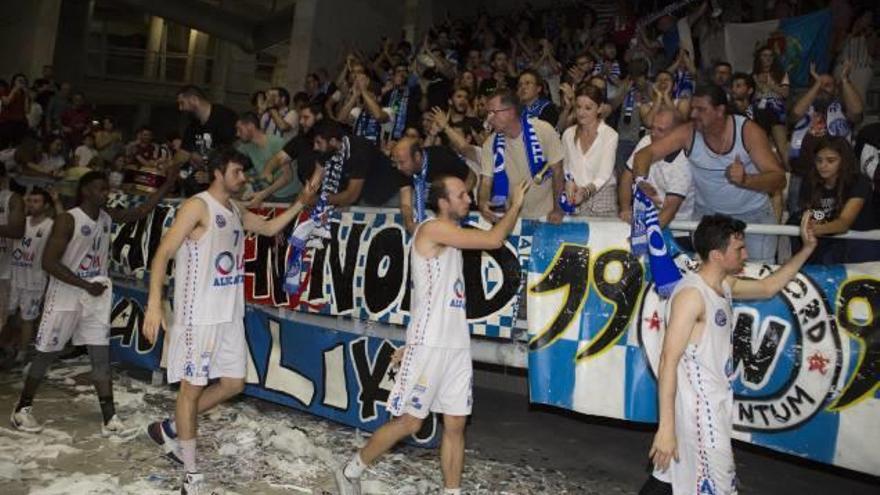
pixel 28 278
pixel 12 213
pixel 436 371
pixel 76 306
pixel 206 340
pixel 692 451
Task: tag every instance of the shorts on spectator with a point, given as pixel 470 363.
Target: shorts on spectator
pixel 57 328
pixel 27 302
pixel 433 379
pixel 199 353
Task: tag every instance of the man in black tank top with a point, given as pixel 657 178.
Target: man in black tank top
pixel 717 129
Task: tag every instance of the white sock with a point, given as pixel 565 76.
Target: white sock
pixel 188 451
pixel 355 467
pixel 452 491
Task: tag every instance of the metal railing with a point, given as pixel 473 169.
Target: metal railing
pixel 136 64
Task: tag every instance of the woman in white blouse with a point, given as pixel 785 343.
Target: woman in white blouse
pixel 590 148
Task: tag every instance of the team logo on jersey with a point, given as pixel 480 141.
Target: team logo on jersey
pixel 86 230
pixel 458 294
pixel 39 233
pixel 720 318
pixel 224 263
pixel 221 222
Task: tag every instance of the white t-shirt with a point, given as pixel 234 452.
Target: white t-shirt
pixel 83 155
pixel 670 177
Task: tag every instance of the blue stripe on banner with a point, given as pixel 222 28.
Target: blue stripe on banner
pixel 554 235
pixel 549 383
pixel 640 383
pixel 817 436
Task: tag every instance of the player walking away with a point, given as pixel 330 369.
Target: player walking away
pixel 692 451
pixel 77 303
pixel 436 371
pixel 207 339
pixel 11 228
pixel 28 278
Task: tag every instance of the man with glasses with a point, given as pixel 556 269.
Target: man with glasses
pixel 519 149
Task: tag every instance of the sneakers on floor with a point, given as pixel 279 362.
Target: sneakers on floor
pixel 116 428
pixel 194 484
pixel 346 485
pixel 24 420
pixel 161 434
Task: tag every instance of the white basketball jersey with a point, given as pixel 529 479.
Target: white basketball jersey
pixel 209 272
pixel 5 243
pixel 86 256
pixel 704 399
pixel 27 255
pixel 438 317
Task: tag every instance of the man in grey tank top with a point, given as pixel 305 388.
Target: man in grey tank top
pixel 733 167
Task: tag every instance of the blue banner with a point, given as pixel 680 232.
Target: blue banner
pixel 806 360
pixel 338 375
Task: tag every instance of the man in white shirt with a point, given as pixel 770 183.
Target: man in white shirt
pixel 669 183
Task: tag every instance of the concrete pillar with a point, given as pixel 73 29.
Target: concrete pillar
pixel 302 36
pixel 154 47
pixel 28 36
pixel 196 57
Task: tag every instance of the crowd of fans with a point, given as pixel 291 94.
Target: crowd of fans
pixel 566 97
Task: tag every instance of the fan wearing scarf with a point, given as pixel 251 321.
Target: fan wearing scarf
pixel 419 166
pixel 399 97
pixel 536 105
pixel 368 122
pixel 520 148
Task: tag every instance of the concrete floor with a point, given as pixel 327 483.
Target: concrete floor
pixel 513 447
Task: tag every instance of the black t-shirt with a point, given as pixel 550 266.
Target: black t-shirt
pixel 468 127
pixel 441 161
pixel 550 114
pixel 489 85
pixel 366 161
pixel 413 116
pixel 301 150
pixel 861 188
pixel 216 132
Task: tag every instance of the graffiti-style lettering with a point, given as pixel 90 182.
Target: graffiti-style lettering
pixel 478 304
pixel 569 272
pixel 383 275
pixel 342 272
pixel 373 376
pixel 285 379
pixel 866 378
pixel 126 321
pixel 266 266
pixel 335 384
pixel 623 293
pixel 754 367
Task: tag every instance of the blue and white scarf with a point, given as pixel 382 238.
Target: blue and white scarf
pixel 664 272
pixel 566 204
pixel 534 155
pixel 400 103
pixel 313 231
pixel 534 110
pixel 367 127
pixel 420 189
pixel 682 84
pixel 629 104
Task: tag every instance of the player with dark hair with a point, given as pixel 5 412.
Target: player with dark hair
pixel 77 301
pixel 692 449
pixel 206 340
